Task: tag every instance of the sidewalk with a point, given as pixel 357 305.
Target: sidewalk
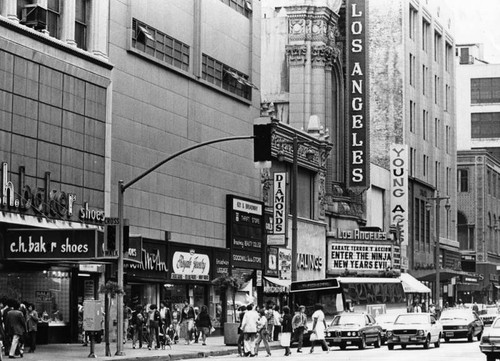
pixel 64 352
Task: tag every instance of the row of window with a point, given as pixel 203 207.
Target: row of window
pixel 438 94
pixel 422 226
pixel 425 169
pixel 173 52
pixel 485 125
pixel 426 36
pixel 242 6
pixel 485 90
pixel 492 182
pixel 426 127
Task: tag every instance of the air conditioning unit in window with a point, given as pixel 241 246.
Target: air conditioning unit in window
pixel 34 16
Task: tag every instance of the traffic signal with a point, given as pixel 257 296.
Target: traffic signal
pixel 262 142
pixel 110 237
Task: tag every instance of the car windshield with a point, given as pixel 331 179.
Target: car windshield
pixel 455 315
pixel 491 311
pixel 348 320
pixel 496 323
pixel 412 319
pixel 386 318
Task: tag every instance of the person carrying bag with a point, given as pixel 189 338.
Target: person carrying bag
pixel 286 330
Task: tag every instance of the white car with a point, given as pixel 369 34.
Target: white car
pixel 490 341
pixel 414 329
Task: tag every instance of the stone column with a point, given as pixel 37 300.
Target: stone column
pixel 98 28
pixel 68 22
pixel 9 10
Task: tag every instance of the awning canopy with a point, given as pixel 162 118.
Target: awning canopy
pixel 412 285
pixel 276 285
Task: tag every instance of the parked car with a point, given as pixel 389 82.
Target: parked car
pixel 461 323
pixel 385 321
pixel 490 341
pixel 488 314
pixel 353 329
pixel 414 329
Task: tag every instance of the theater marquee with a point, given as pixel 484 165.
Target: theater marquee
pixel 358 257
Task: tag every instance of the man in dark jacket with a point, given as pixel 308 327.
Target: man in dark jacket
pixel 15 327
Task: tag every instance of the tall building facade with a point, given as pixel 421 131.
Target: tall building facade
pixel 478 118
pixel 94 92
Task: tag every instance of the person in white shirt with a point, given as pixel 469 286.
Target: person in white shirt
pixel 318 328
pixel 249 329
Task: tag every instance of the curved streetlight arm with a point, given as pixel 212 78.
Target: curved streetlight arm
pixel 185 150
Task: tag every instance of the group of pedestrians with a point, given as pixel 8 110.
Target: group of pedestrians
pixel 254 329
pixel 18 327
pixel 164 326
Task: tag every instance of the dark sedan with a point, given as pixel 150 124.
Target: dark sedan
pixel 353 329
pixel 461 323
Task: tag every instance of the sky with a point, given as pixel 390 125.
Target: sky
pixel 478 21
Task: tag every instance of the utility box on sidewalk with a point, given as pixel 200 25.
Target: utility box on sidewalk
pixel 93 319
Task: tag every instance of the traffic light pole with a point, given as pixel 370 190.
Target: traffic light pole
pixel 121 192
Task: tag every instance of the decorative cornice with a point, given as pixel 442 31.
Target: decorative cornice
pixel 323 55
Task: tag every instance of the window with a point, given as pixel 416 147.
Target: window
pixel 242 6
pixel 412 161
pixel 437 126
pixel 160 46
pixel 305 192
pixel 424 77
pixel 437 81
pixel 412 69
pixel 425 170
pixel 488 179
pixel 447 98
pixel 412 23
pixel 437 173
pixel 448 57
pixel 485 90
pixel 485 125
pixel 81 20
pixel 417 225
pixel 225 77
pixel 53 18
pixel 412 108
pixel 437 47
pixel 448 179
pixel 463 180
pixel 465 58
pixel 425 116
pixel 447 141
pixel 425 35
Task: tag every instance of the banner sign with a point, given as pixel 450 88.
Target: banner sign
pixel 190 266
pixel 358 257
pixel 285 263
pixel 357 72
pixel 272 262
pixel 51 244
pixel 399 193
pixel 279 205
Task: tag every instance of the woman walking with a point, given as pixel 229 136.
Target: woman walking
pixel 187 322
pixel 262 333
pixel 318 328
pixel 204 324
pixel 32 324
pixel 286 330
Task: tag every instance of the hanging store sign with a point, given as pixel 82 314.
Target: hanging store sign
pixel 399 194
pixel 285 263
pixel 51 244
pixel 190 266
pixel 359 164
pixel 358 257
pixel 272 261
pixel 279 210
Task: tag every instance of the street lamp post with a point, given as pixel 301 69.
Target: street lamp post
pixel 437 199
pixel 121 192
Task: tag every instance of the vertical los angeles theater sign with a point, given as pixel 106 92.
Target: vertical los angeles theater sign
pixel 359 162
pixel 399 195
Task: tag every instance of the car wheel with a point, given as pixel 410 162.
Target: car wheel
pixel 378 342
pixel 403 347
pixel 390 346
pixel 438 342
pixel 427 342
pixel 470 337
pixel 362 344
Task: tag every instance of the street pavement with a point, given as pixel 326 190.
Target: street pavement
pixel 64 352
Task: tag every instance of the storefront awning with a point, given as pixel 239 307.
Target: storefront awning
pixel 412 285
pixel 368 280
pixel 445 274
pixel 276 285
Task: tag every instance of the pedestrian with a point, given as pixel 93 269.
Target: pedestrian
pixel 262 333
pixel 165 317
pixel 241 337
pixel 475 307
pixel 286 330
pixel 137 322
pixel 432 309
pixel 249 329
pixel 32 325
pixel 175 322
pixel 318 328
pixel 277 322
pixel 417 308
pixel 270 321
pixel 15 327
pixel 187 322
pixel 154 320
pixel 203 324
pixel 196 332
pixel 299 325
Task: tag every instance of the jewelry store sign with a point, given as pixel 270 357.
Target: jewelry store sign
pixel 358 257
